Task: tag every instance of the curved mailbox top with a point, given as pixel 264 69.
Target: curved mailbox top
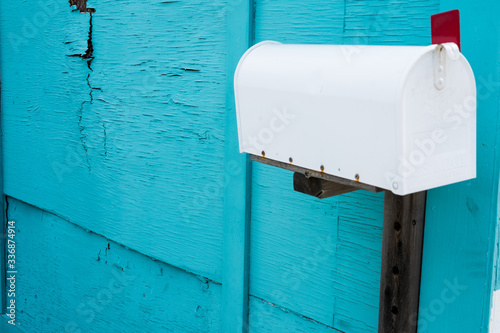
pixel 402 118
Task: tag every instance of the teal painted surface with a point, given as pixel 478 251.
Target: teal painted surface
pixel 139 151
pixel 77 281
pixel 460 238
pixel 237 186
pixel 322 259
pixel 134 148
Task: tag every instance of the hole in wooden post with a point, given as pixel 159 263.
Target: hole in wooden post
pixel 397 226
pixel 395 270
pixel 394 310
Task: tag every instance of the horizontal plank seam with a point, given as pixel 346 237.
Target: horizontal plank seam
pixel 111 240
pixel 286 310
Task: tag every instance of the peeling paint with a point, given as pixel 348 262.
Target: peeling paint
pixel 81 5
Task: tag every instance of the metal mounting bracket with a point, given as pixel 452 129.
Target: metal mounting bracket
pixel 317 184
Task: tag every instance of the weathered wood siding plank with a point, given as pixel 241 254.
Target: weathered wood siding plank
pixel 72 280
pixel 133 147
pixel 292 252
pixel 359 258
pixel 324 266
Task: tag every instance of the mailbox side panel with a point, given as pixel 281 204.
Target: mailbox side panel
pixel 438 125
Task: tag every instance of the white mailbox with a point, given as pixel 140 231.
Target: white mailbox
pixel 401 118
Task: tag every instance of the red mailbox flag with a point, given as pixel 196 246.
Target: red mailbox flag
pixel 445 27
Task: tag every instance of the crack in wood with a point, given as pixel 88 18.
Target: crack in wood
pixel 89 52
pixel 83 136
pixel 89 56
pixel 105 140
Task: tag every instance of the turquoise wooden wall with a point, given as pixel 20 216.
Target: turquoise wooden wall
pixel 136 213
